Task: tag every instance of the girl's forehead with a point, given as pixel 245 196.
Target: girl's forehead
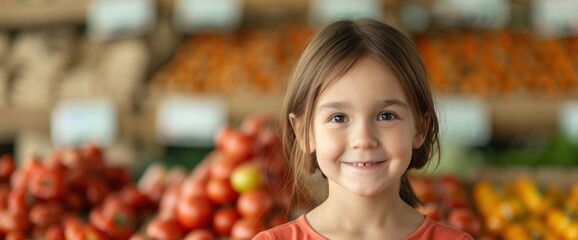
pixel 367 70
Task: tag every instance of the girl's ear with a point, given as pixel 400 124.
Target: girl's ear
pixel 297 126
pixel 422 129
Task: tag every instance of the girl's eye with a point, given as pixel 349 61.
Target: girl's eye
pixel 338 118
pixel 386 116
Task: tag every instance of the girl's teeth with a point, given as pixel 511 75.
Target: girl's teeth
pixel 363 164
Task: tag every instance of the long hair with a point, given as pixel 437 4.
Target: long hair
pixel 331 53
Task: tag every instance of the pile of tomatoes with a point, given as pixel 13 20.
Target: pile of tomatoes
pixel 446 200
pixel 237 191
pixel 71 194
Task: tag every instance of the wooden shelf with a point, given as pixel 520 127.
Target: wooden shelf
pixel 18 16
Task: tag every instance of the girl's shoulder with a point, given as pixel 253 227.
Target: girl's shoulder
pixel 296 229
pixel 432 230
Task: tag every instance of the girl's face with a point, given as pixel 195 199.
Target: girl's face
pixel 364 131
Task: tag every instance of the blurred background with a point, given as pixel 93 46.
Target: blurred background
pixel 153 81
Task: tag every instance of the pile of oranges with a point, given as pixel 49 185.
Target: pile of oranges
pixel 499 63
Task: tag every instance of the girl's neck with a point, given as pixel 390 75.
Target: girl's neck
pixel 364 216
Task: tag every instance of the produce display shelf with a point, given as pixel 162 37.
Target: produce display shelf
pixel 510 117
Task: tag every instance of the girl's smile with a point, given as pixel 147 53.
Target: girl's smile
pixel 365 165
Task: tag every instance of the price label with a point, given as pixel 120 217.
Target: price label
pixel 75 123
pixel 188 121
pixel 322 12
pixel 555 18
pixel 114 19
pixel 472 13
pixel 201 15
pixel 569 121
pixel 464 122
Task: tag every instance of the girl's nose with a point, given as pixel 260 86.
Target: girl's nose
pixel 363 137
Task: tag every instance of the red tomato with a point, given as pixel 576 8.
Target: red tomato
pixel 74 201
pixel 14 221
pixel 224 220
pixel 223 133
pixel 139 236
pixel 15 235
pixel 277 219
pixel 269 142
pixel 164 229
pixel 152 182
pixel 255 204
pixel 222 167
pixel 92 233
pixel 92 156
pixel 424 189
pixel 92 150
pixel 114 218
pixel 77 177
pixel 254 125
pixel 169 201
pixel 73 228
pixel 465 220
pixel 7 167
pixel 4 194
pixel 431 210
pixel 451 185
pixel 192 187
pixel 246 229
pixel 276 164
pixel 20 199
pixel 18 179
pixel 46 183
pixel 118 227
pixel 70 157
pixel 220 191
pixel 131 196
pixel 239 146
pixel 46 214
pixel 96 191
pixel 450 202
pixel 117 176
pixel 200 234
pixel 54 232
pixel 194 212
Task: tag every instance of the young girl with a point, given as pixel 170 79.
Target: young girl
pixel 359 110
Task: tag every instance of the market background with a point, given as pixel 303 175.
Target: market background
pixel 153 81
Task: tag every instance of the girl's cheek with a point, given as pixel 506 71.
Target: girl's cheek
pixel 328 150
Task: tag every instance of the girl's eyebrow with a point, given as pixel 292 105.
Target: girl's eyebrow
pixel 332 105
pixel 394 101
pixel 344 105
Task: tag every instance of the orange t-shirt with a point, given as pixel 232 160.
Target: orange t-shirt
pixel 300 229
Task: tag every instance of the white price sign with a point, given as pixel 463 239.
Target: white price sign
pixel 322 12
pixel 201 15
pixel 555 18
pixel 472 13
pixel 464 121
pixel 188 121
pixel 75 123
pixel 113 19
pixel 569 121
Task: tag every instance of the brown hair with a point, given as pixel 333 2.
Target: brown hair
pixel 331 53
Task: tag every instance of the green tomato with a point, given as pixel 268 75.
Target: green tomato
pixel 246 178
